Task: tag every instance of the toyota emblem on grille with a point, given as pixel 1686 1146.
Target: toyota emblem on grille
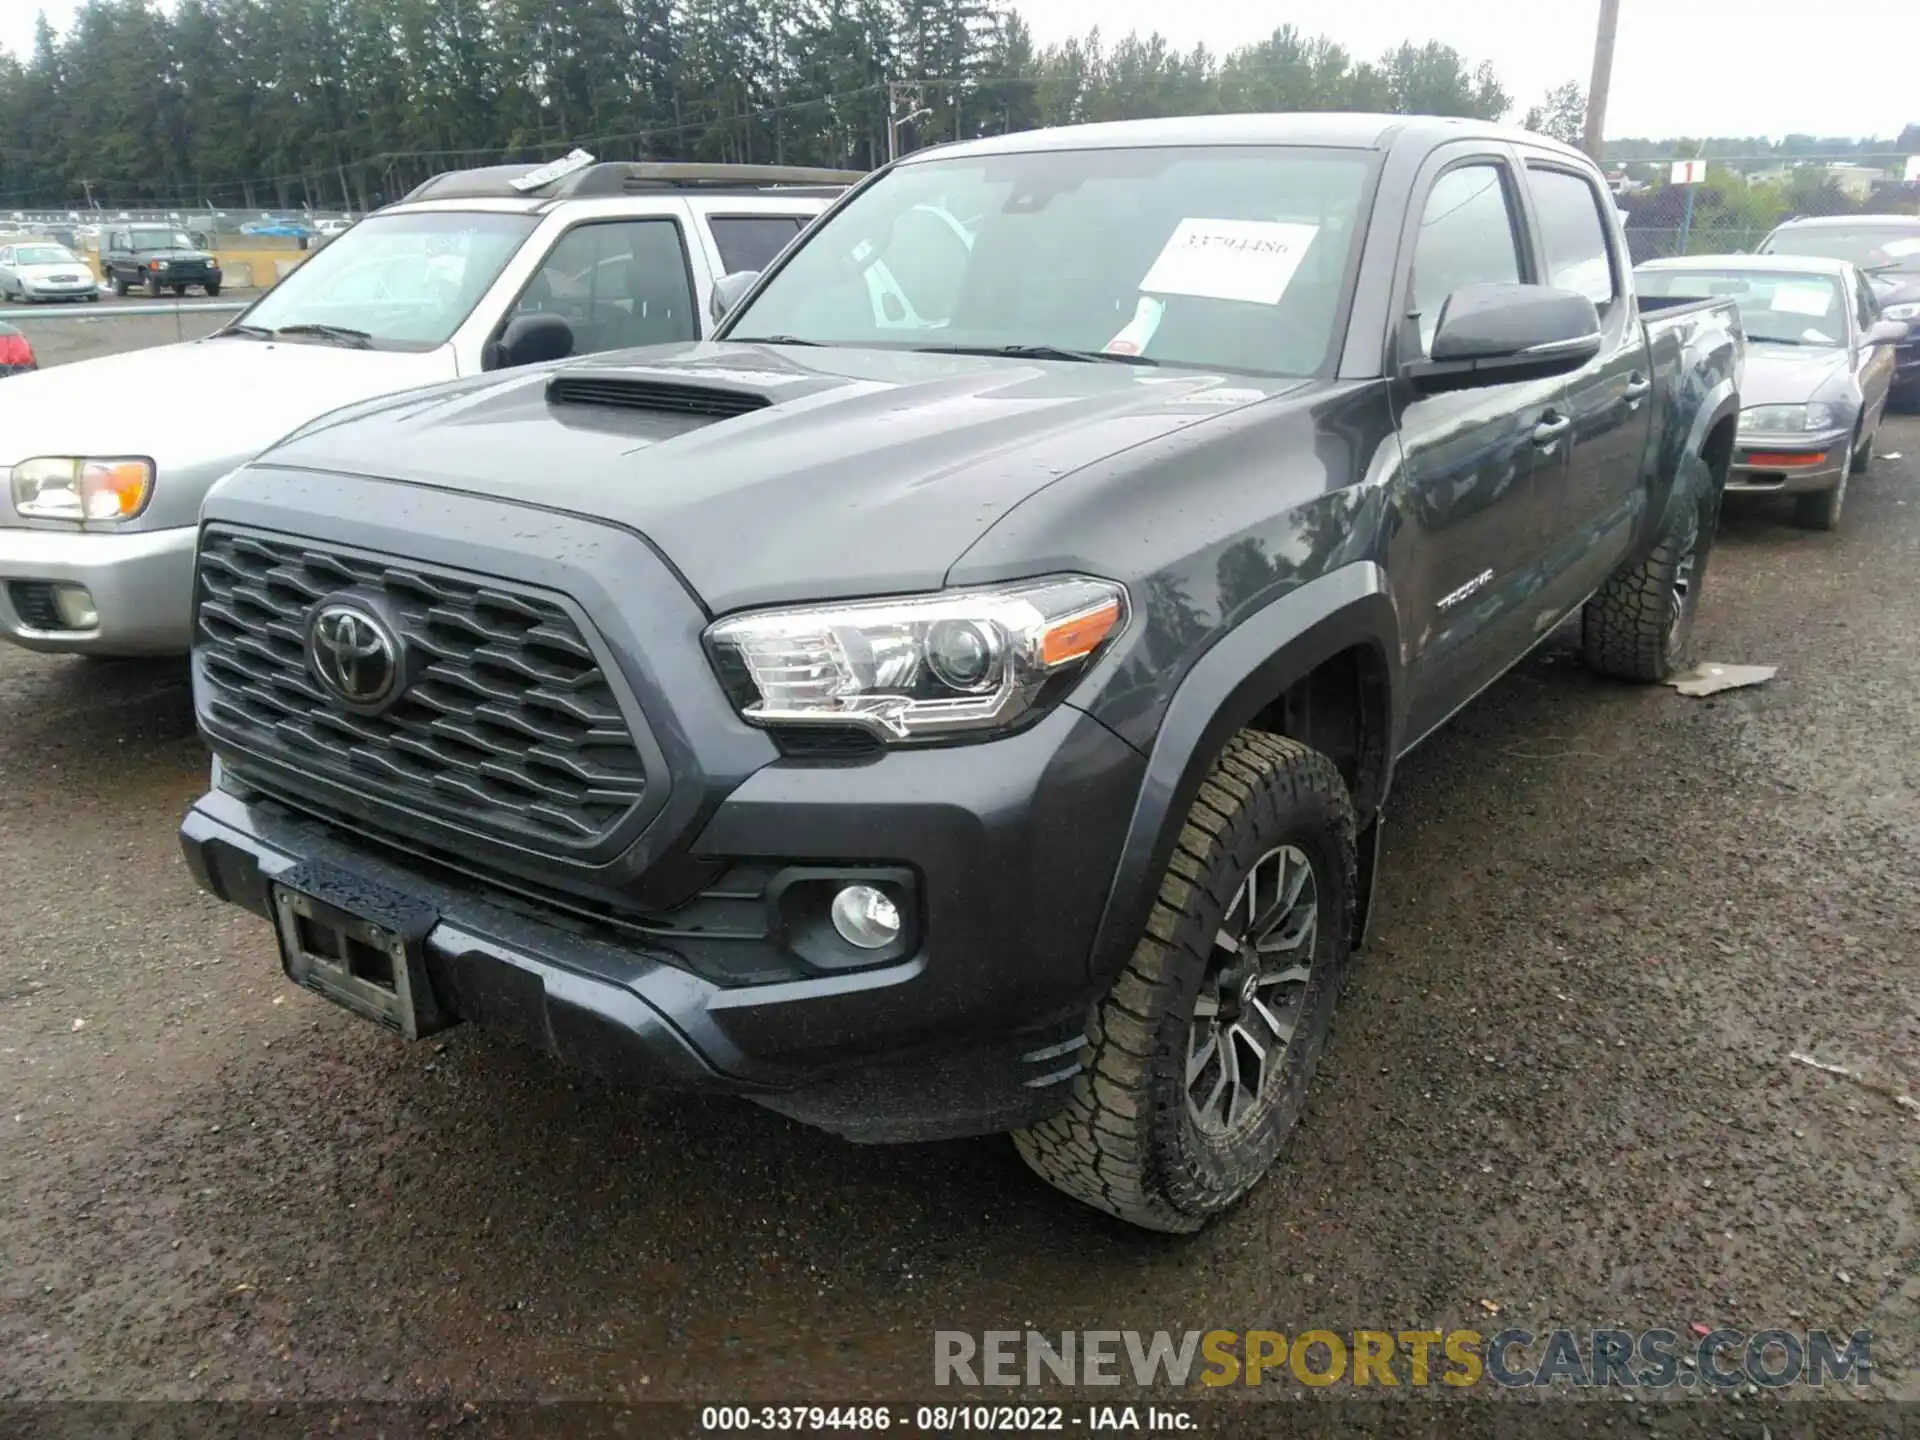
pixel 355 653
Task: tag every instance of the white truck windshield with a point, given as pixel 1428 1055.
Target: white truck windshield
pixel 406 281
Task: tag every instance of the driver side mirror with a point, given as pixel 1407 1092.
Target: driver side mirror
pixel 529 340
pixel 1887 332
pixel 1494 334
pixel 730 289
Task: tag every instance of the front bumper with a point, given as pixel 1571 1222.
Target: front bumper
pixel 1788 465
pixel 56 290
pixel 141 584
pixel 1010 845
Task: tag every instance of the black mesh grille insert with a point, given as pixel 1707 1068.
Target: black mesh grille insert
pixel 632 394
pixel 33 602
pixel 510 727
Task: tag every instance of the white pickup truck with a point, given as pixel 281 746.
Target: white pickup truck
pixel 103 464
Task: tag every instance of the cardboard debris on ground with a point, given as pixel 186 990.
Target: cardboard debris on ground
pixel 1708 679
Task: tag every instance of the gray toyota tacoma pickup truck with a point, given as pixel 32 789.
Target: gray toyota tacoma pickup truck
pixel 963 696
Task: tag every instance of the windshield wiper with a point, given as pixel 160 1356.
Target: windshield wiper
pixel 1038 352
pixel 773 340
pixel 251 332
pixel 339 334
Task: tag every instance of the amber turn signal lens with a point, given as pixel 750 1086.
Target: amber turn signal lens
pixel 1787 460
pixel 1078 636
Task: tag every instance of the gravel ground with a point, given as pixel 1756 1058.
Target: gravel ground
pixel 1560 1087
pixel 61 334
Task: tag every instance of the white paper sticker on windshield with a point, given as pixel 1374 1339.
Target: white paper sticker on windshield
pixel 1801 300
pixel 1909 246
pixel 1250 260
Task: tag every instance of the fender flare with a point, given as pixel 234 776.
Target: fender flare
pixel 1228 685
pixel 1718 403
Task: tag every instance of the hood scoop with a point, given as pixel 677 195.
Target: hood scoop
pixel 664 397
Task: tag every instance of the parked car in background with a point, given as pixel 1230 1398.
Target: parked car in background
pixel 1820 367
pixel 159 258
pixel 1887 249
pixel 33 270
pixel 332 227
pixel 477 270
pixel 979 726
pixel 16 353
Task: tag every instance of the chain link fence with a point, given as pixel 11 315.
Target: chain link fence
pixel 1744 197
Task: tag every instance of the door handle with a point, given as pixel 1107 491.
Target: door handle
pixel 1551 427
pixel 1637 387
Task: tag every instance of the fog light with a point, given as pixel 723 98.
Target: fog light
pixel 75 607
pixel 864 916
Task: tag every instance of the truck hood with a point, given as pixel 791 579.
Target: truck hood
pixel 1792 374
pixel 867 472
pixel 207 402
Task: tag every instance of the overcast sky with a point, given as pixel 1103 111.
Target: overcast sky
pixel 1683 67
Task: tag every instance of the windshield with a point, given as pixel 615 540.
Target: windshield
pixel 1871 247
pixel 43 255
pixel 162 240
pixel 1230 258
pixel 406 281
pixel 1783 308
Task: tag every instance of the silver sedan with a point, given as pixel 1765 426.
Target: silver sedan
pixel 41 270
pixel 1820 363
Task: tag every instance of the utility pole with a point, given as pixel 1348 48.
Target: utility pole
pixel 1602 75
pixel 904 106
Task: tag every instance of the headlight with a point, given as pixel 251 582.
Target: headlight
pixel 1900 312
pixel 921 668
pixel 1788 419
pixel 52 488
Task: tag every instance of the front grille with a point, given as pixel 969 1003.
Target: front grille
pixel 712 401
pixel 510 727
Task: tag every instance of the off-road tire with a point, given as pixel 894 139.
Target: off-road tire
pixel 212 290
pixel 1633 628
pixel 1127 1143
pixel 1821 510
pixel 120 286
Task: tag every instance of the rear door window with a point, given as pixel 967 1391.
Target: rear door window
pixel 750 242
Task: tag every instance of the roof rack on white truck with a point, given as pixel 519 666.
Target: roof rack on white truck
pixel 474 270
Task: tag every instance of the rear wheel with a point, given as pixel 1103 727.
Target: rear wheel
pixel 1199 1057
pixel 1821 510
pixel 213 289
pixel 1637 626
pixel 120 286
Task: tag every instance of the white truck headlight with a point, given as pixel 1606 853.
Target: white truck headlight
pixel 1788 419
pixel 93 491
pixel 921 668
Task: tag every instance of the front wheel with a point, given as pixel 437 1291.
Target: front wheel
pixel 1821 510
pixel 213 289
pixel 120 286
pixel 153 287
pixel 1198 1058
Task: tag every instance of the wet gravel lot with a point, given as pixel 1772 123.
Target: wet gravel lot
pixel 1560 1092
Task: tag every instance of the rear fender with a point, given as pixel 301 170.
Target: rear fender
pixel 1237 678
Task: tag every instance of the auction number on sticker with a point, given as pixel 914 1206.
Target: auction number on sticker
pixel 796 1417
